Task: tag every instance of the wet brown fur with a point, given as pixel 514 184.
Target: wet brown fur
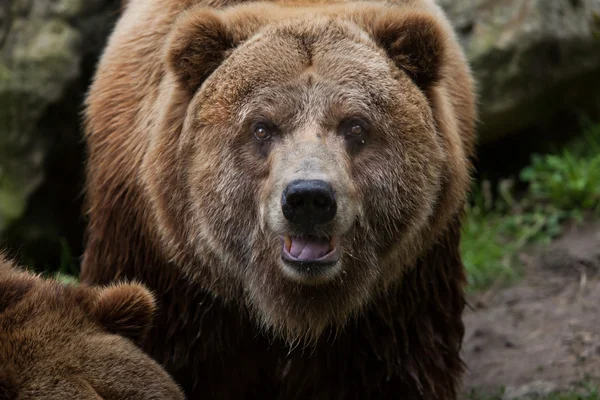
pixel 76 342
pixel 227 318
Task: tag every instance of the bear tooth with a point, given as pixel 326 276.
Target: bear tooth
pixel 332 243
pixel 287 242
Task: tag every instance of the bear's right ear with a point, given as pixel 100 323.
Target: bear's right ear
pixel 197 45
pixel 125 309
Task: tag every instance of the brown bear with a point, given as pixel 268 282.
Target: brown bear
pixel 288 177
pixel 76 342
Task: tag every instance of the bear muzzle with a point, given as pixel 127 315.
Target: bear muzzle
pixel 310 259
pixel 308 204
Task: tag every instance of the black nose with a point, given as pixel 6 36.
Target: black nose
pixel 308 202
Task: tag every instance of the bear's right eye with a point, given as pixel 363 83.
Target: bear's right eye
pixel 262 132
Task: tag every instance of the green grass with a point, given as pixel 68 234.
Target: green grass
pixel 561 186
pixel 67 271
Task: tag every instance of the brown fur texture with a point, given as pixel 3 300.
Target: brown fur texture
pixel 76 342
pixel 183 197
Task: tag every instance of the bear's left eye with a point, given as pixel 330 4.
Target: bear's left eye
pixel 353 128
pixel 356 130
pixel 262 132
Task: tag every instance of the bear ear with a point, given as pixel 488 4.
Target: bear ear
pixel 125 309
pixel 414 42
pixel 197 45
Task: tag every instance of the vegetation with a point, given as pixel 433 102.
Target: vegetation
pixel 67 271
pixel 562 186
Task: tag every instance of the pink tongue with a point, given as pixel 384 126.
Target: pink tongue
pixel 309 248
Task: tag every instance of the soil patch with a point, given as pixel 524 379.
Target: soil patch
pixel 543 333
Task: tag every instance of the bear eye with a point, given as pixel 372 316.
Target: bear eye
pixel 352 128
pixel 262 132
pixel 356 130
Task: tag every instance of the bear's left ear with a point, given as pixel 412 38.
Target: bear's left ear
pixel 125 309
pixel 197 45
pixel 415 43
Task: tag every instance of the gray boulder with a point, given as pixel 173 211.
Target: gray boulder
pixel 46 61
pixel 532 58
pixel 38 60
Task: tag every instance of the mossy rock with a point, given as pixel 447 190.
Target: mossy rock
pixel 533 59
pixel 46 63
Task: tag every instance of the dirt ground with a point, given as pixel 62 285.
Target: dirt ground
pixel 543 333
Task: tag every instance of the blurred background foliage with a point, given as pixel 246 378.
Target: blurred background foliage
pixel 552 190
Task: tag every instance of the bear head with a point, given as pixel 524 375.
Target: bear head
pixel 306 155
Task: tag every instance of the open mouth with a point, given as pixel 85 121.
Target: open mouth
pixel 310 249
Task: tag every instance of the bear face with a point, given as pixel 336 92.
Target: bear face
pixel 300 155
pixel 67 342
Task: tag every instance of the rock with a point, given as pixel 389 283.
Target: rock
pixel 5 20
pixel 533 59
pixel 39 59
pixel 46 60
